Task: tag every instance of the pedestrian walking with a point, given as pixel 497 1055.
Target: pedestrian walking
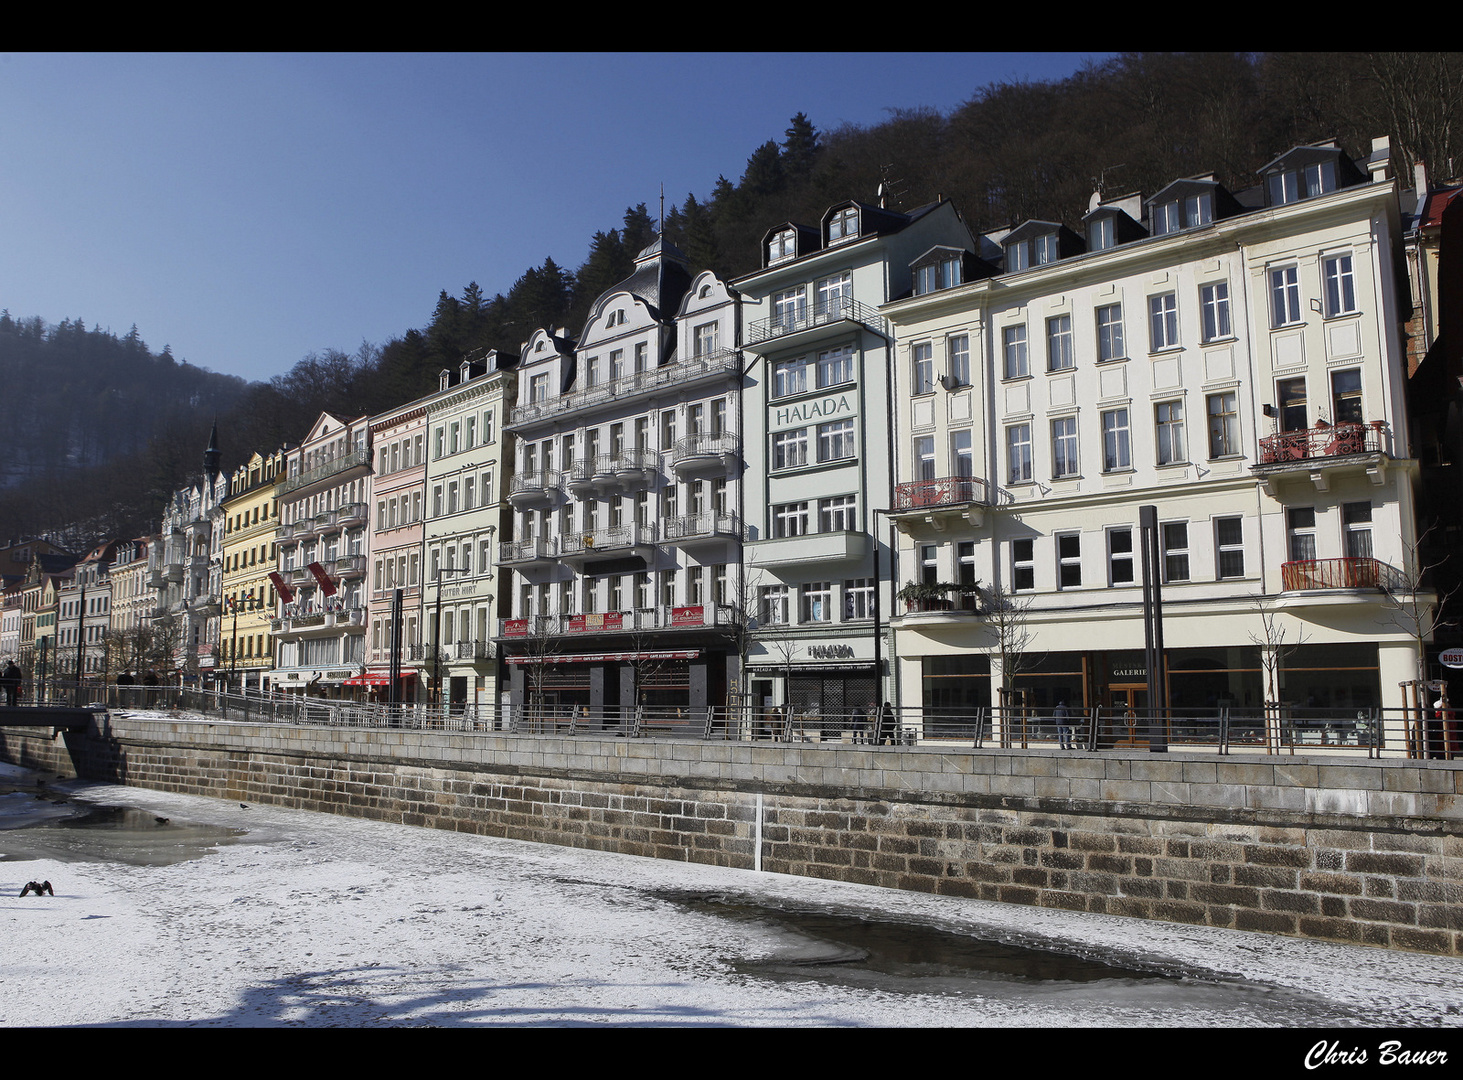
pixel 1064 725
pixel 10 680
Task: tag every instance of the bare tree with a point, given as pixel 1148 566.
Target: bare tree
pixel 1276 641
pixel 1413 604
pixel 1008 618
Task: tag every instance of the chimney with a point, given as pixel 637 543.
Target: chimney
pixel 1379 164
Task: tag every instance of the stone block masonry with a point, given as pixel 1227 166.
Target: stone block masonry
pixel 1342 849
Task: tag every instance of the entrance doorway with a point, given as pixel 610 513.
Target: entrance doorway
pixel 1126 709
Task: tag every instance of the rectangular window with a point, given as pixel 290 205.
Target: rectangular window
pixel 1346 396
pixel 818 601
pixel 790 519
pixel 1018 454
pixel 1223 425
pixel 1120 556
pixel 1214 302
pixel 924 457
pixel 835 441
pixel 959 347
pixel 1059 356
pixel 1356 521
pixel 858 599
pixel 1064 447
pixel 1291 395
pixel 1229 547
pixel 790 377
pixel 1175 550
pixel 929 564
pixel 965 563
pixel 790 449
pixel 790 309
pixel 1285 296
pixel 1164 218
pixel 706 339
pixel 1170 432
pixel 922 357
pixel 1115 447
pixel 962 455
pixel 836 367
pixel 1163 321
pixel 1069 560
pixel 1110 332
pixel 1013 340
pixel 837 514
pixel 1300 523
pixel 835 294
pixel 774 605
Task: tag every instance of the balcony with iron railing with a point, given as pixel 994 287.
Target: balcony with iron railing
pixel 818 316
pixel 937 502
pixel 718 364
pixel 534 490
pixel 532 551
pixel 711 526
pixel 669 618
pixel 577 548
pixel 352 514
pixel 347 566
pixel 705 454
pixel 344 463
pixel 1315 574
pixel 1322 441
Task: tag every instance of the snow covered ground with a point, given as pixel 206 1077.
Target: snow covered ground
pixel 313 920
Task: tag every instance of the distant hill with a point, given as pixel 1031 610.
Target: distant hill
pixel 77 397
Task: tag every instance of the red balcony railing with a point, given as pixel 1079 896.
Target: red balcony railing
pixel 946 491
pixel 1322 441
pixel 1339 574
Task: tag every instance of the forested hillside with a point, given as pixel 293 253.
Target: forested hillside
pixel 1012 151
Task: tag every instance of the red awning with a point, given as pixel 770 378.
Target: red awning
pixel 594 658
pixel 375 678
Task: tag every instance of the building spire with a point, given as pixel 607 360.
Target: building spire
pixel 212 455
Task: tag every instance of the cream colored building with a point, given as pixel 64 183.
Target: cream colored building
pixel 251 518
pixel 1233 361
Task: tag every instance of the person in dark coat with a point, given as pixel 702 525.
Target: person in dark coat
pixel 887 725
pixel 1064 725
pixel 10 680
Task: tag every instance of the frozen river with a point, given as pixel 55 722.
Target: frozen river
pixel 199 912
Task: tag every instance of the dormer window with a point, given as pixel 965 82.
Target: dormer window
pixel 1292 185
pixel 782 246
pixel 1027 248
pixel 1184 213
pixel 1101 234
pixel 944 273
pixel 843 225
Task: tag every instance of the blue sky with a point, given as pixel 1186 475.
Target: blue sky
pixel 247 209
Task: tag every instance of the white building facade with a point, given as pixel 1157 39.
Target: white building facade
pixel 467 517
pixel 321 543
pixel 819 431
pixel 627 500
pixel 1234 362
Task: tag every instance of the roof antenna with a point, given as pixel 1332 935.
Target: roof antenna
pixel 662 208
pixel 888 188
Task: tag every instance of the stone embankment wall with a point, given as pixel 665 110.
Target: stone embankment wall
pixel 1346 849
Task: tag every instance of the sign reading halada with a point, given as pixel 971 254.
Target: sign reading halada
pixel 806 412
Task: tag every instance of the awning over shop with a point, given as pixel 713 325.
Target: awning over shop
pixel 376 678
pixel 595 658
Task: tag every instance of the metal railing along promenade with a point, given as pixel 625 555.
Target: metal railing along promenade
pixel 1369 732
